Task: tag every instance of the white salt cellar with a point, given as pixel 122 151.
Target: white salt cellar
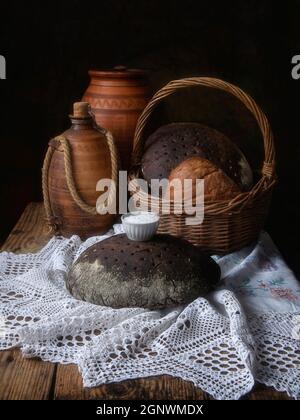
pixel 140 225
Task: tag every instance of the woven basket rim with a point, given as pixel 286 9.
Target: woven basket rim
pixel 243 200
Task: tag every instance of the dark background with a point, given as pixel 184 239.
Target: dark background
pixel 49 48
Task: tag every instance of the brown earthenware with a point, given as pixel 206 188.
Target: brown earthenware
pixel 117 98
pixel 90 161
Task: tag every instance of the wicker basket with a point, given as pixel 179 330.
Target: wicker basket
pixel 227 225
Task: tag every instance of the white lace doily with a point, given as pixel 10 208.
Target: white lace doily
pixel 247 330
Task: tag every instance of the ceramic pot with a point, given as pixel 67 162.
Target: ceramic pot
pixel 117 98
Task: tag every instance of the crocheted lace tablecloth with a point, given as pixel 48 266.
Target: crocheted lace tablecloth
pixel 246 331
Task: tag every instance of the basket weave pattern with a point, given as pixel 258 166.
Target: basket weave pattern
pixel 228 224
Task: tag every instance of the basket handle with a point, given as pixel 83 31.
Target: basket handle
pixel 268 169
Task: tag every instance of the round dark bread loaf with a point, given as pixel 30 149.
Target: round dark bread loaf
pixel 171 144
pixel 163 272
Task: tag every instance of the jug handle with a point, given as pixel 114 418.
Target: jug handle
pixel 70 179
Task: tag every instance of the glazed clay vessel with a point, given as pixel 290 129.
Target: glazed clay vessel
pixel 71 204
pixel 117 98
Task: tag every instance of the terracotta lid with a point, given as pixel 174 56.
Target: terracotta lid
pixel 119 72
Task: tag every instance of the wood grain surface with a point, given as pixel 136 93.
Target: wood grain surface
pixel 32 379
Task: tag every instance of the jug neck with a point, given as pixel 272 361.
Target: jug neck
pixel 81 123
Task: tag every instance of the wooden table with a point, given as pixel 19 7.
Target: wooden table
pixel 22 378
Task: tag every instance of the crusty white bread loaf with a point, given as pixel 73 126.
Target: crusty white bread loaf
pixel 217 185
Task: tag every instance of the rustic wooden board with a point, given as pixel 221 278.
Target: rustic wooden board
pixel 30 233
pixel 69 386
pixel 22 378
pixel 25 379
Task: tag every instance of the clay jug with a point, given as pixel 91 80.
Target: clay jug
pixel 74 163
pixel 117 98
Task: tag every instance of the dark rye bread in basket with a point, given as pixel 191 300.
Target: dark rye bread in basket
pixel 228 224
pixel 163 272
pixel 171 144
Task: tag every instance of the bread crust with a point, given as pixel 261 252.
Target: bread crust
pixel 217 185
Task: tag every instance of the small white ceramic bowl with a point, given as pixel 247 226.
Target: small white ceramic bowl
pixel 140 225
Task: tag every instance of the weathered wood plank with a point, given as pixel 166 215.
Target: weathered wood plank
pixel 69 386
pixel 33 379
pixel 30 233
pixel 261 392
pixel 25 379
